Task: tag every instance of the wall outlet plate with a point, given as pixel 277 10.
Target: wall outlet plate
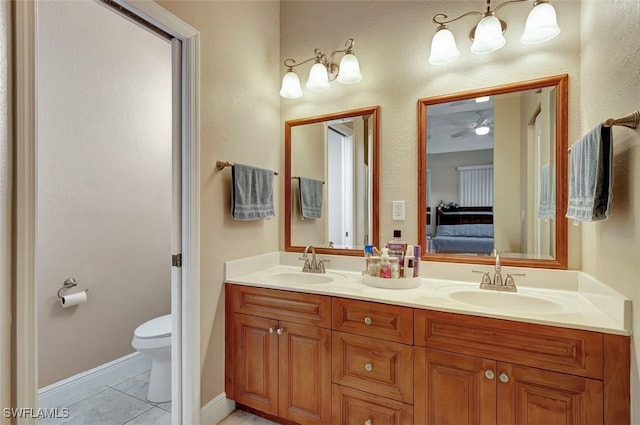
pixel 398 210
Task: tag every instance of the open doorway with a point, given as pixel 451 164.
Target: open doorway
pixel 185 273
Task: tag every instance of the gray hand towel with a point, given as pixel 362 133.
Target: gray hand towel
pixel 547 201
pixel 310 197
pixel 252 197
pixel 591 176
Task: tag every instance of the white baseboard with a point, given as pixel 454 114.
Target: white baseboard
pixel 77 387
pixel 216 410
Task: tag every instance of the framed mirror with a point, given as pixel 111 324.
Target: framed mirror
pixel 331 181
pixel 493 174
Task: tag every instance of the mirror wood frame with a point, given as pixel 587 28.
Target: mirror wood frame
pixel 374 111
pixel 560 82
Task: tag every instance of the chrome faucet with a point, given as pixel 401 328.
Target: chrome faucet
pixel 312 265
pixel 509 283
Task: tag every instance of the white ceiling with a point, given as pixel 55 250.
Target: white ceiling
pixel 450 126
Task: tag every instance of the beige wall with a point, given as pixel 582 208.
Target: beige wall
pixel 610 89
pixel 308 150
pixel 444 175
pixel 104 183
pixel 240 122
pixel 506 206
pixel 392 44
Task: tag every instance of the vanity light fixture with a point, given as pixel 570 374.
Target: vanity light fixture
pixel 323 71
pixel 487 36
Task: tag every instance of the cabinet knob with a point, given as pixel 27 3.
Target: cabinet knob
pixel 489 374
pixel 271 330
pixel 280 331
pixel 368 321
pixel 368 367
pixel 504 377
pixel 368 422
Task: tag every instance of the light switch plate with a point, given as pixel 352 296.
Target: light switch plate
pixel 398 210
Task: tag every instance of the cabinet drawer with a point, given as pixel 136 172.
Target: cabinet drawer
pixel 352 407
pixel 295 307
pixel 563 350
pixel 393 323
pixel 380 367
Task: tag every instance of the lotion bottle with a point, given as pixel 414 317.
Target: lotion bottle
pixel 409 261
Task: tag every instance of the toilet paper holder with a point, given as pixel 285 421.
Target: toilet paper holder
pixel 68 284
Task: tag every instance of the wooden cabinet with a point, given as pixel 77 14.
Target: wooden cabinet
pixel 281 368
pixel 488 371
pixel 353 407
pixel 372 363
pixel 300 358
pixel 463 389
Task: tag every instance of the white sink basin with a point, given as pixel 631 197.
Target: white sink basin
pixel 300 277
pixel 505 301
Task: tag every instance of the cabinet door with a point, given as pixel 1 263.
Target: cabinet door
pixel 256 362
pixel 528 396
pixel 305 373
pixel 454 389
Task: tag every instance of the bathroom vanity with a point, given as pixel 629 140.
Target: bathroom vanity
pixel 327 349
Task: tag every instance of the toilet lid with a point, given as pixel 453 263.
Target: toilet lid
pixel 155 328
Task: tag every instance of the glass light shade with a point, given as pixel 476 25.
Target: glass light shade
pixel 541 26
pixel 318 78
pixel 482 130
pixel 349 70
pixel 290 86
pixel 488 37
pixel 443 47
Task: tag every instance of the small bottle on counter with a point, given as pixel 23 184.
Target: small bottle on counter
pixel 395 267
pixel 385 266
pixel 374 266
pixel 417 253
pixel 397 247
pixel 368 253
pixel 409 261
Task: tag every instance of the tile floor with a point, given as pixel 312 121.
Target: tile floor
pixel 124 403
pixel 243 418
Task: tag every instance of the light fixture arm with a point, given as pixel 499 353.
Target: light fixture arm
pixel 332 67
pixel 442 19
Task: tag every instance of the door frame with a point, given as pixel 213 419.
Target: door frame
pixel 186 406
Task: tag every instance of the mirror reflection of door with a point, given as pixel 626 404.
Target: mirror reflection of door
pixel 340 183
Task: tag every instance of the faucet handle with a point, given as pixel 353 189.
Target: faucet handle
pixel 485 283
pixel 307 266
pixel 510 283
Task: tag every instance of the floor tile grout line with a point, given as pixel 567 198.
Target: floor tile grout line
pixel 106 387
pixel 134 397
pixel 146 411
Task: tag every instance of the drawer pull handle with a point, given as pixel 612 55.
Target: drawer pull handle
pixel 271 330
pixel 489 374
pixel 368 422
pixel 368 367
pixel 504 377
pixel 280 331
pixel 368 321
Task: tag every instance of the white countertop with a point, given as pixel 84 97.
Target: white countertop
pixel 583 302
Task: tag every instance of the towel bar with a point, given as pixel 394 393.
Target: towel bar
pixel 631 120
pixel 221 165
pixel 296 177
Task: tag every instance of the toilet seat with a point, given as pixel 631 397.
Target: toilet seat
pixel 154 328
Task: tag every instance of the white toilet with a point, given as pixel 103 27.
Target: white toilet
pixel 153 339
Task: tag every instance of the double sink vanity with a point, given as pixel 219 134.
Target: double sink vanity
pixel 326 348
pixel 549 347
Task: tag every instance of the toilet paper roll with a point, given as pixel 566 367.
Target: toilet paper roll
pixel 73 299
